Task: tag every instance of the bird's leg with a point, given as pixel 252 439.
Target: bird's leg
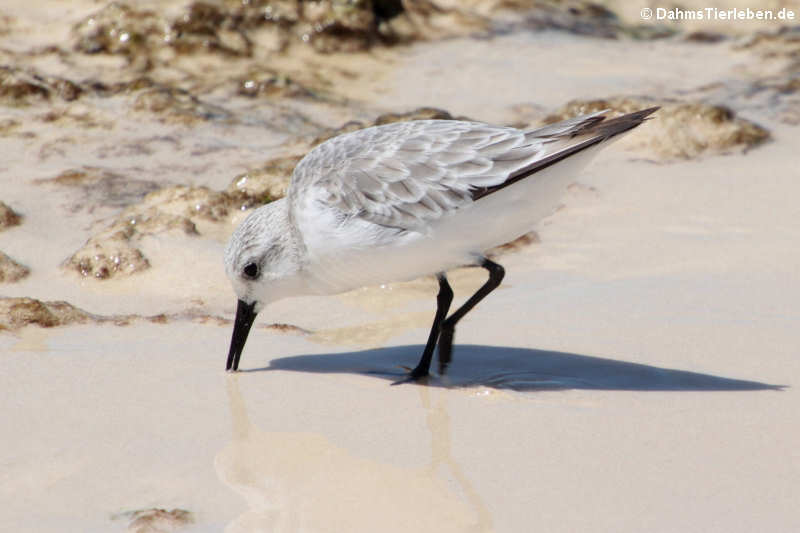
pixel 443 300
pixel 448 327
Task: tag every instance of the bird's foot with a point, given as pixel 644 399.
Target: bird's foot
pixel 415 375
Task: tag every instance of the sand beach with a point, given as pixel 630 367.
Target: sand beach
pixel 636 372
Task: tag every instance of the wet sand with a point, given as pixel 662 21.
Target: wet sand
pixel 634 372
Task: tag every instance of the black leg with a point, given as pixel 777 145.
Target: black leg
pixel 443 300
pixel 448 327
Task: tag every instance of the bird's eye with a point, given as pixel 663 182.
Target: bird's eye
pixel 250 271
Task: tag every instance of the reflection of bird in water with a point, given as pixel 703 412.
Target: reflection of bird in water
pixel 441 456
pixel 294 481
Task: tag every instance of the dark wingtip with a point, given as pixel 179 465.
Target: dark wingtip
pixel 644 113
pixel 621 124
pixel 596 126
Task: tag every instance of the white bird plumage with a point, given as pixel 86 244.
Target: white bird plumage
pixel 394 202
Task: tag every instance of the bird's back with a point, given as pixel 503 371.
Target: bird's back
pixel 440 191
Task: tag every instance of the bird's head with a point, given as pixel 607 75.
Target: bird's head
pixel 261 262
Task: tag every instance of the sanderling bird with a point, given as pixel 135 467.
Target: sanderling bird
pixel 408 199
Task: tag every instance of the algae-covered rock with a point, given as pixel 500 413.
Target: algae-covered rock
pixel 10 270
pixel 107 255
pixel 8 217
pixel 776 71
pixel 98 185
pixel 210 27
pixel 157 520
pixel 23 87
pixel 271 83
pixel 19 87
pixel 264 184
pixel 338 25
pixel 114 251
pixel 238 28
pixel 122 28
pixel 193 203
pixel 781 42
pixel 176 105
pixel 19 312
pixel 119 28
pixel 588 18
pixel 421 113
pixel 231 27
pixel 679 130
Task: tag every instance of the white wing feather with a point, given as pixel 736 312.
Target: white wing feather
pixel 407 174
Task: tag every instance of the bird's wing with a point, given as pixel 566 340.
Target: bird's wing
pixel 406 174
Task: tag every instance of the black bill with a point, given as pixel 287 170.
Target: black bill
pixel 245 315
